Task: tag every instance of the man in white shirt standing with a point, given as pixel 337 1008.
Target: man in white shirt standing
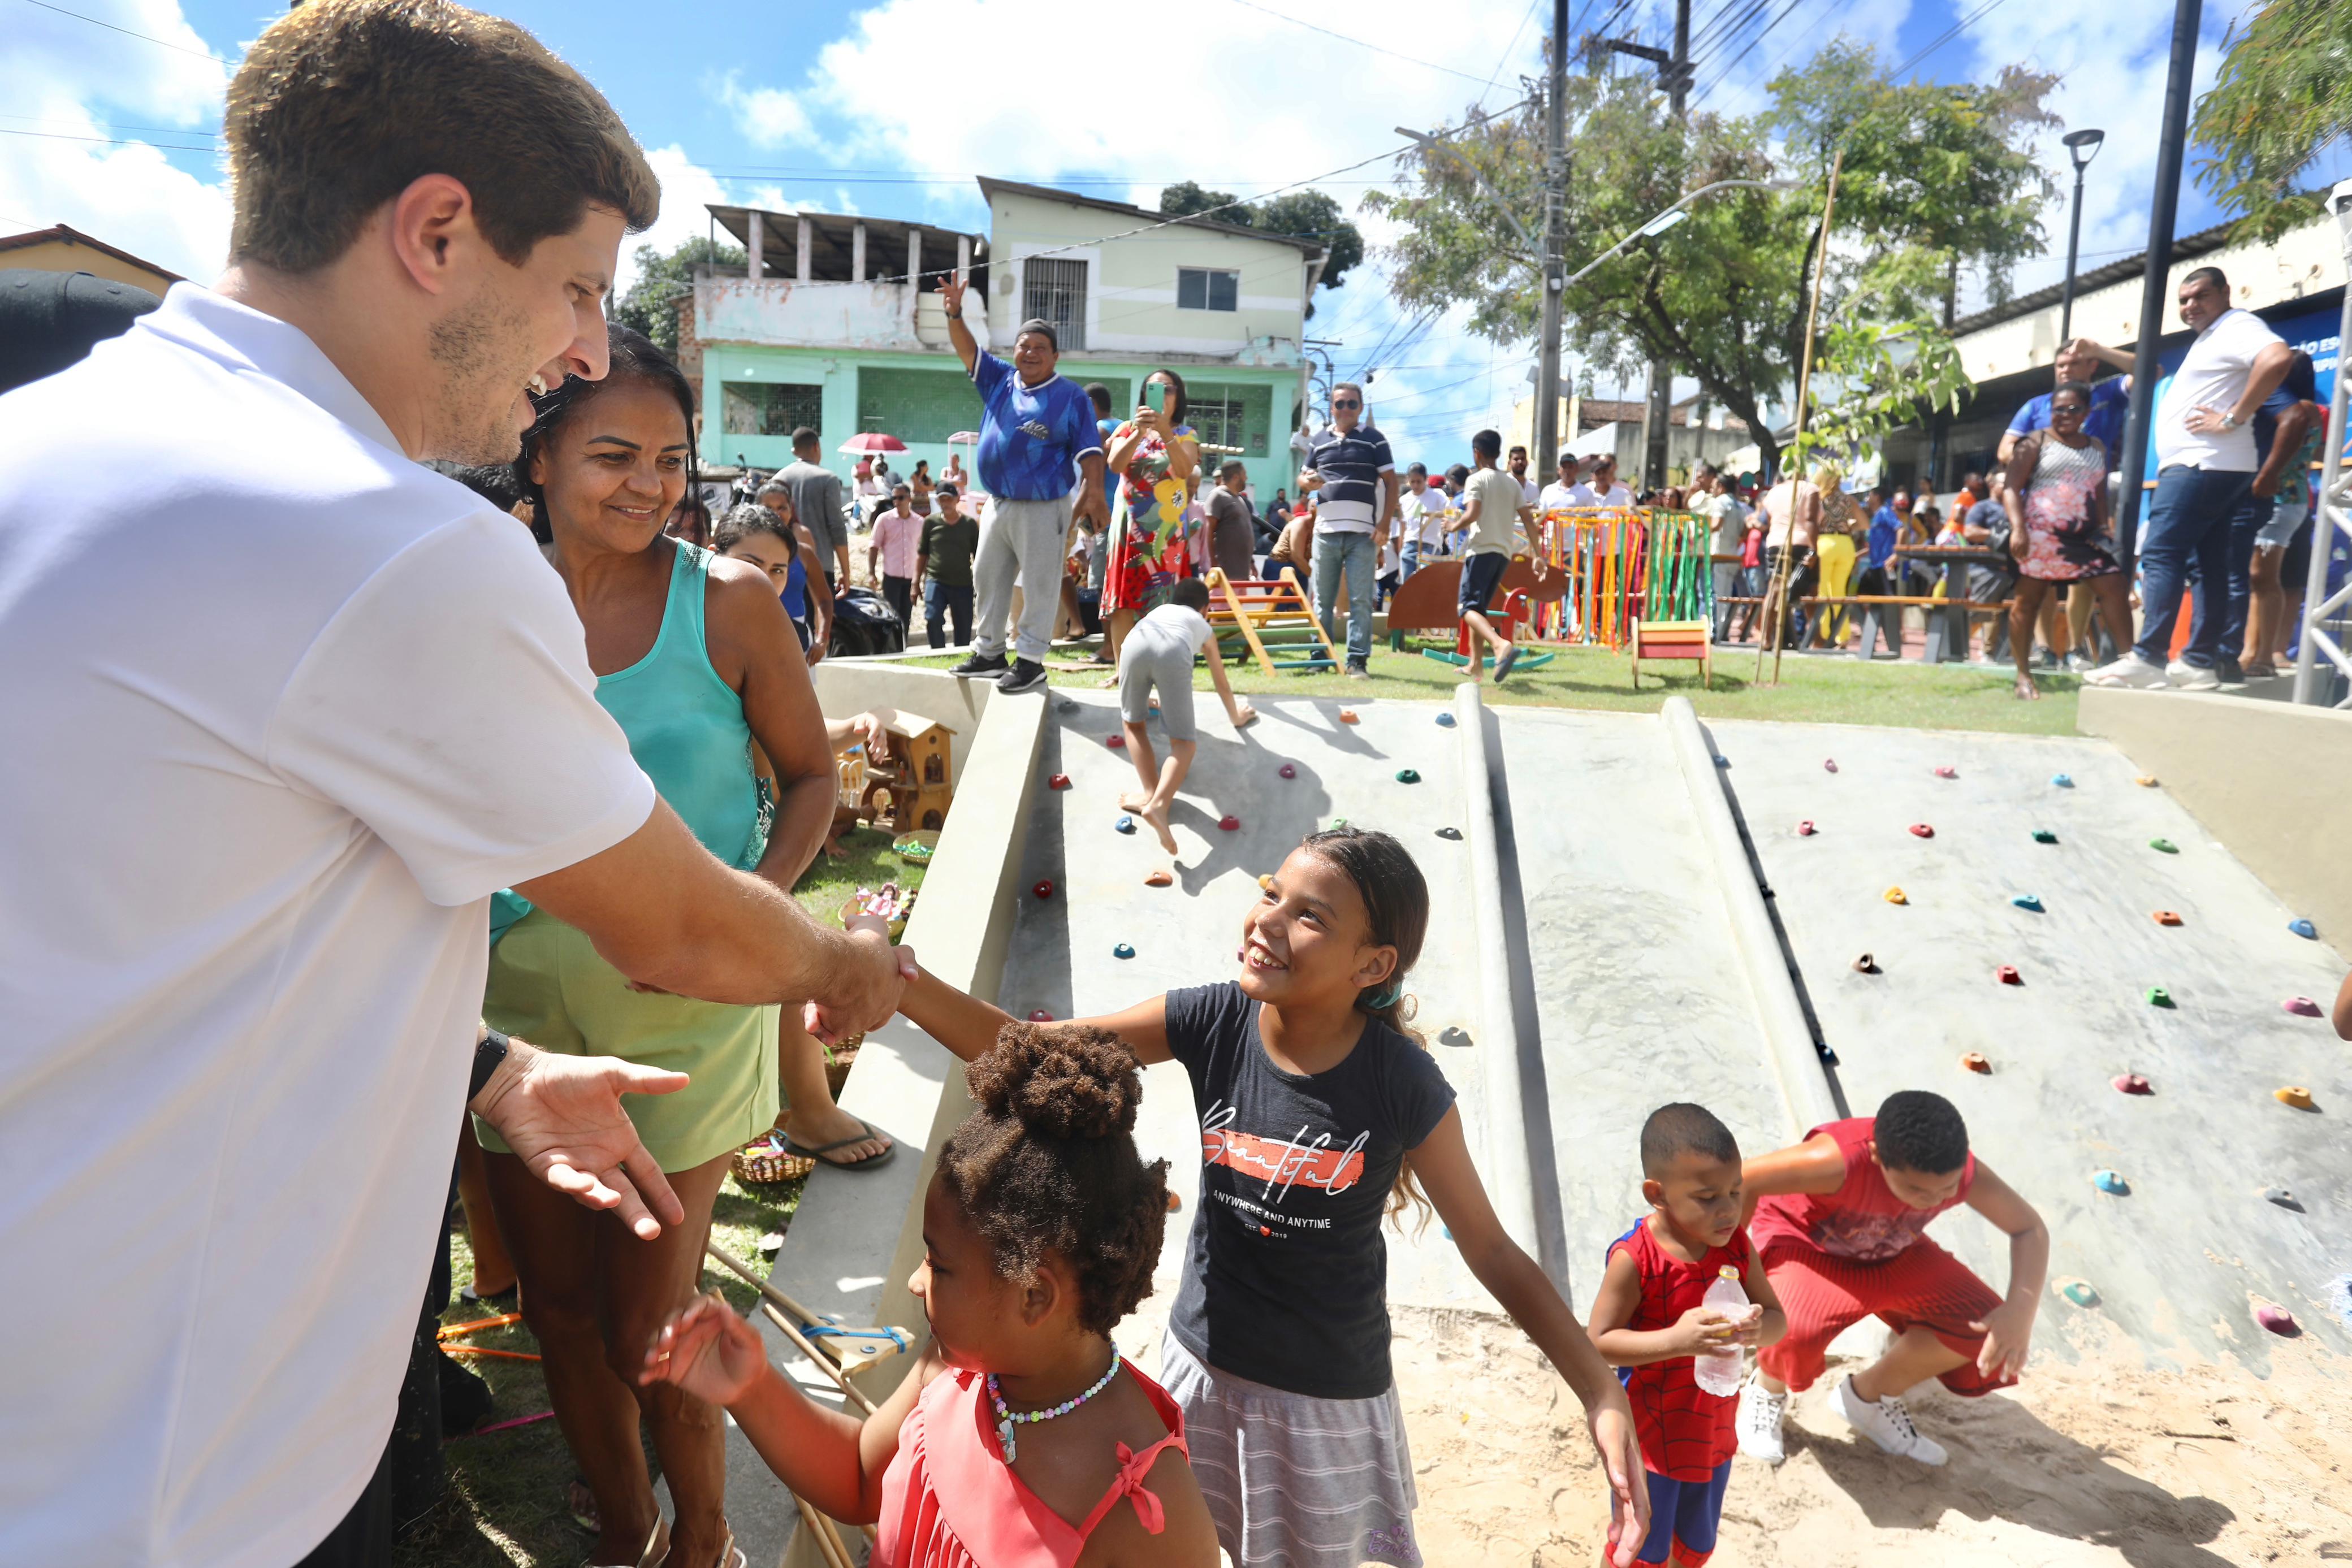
pixel 262 775
pixel 1602 489
pixel 2205 465
pixel 1562 491
pixel 1419 528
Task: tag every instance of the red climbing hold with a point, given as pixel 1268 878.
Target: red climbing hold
pixel 1041 1016
pixel 2167 917
pixel 2131 1083
pixel 2302 1007
pixel 1116 742
pixel 1044 890
pixel 2008 975
pixel 1347 715
pixel 1230 824
pixel 1829 765
pixel 2278 1320
pixel 1805 829
pixel 1157 879
pixel 1287 771
pixel 1058 781
pixel 1922 830
pixel 1947 773
pixel 1975 1063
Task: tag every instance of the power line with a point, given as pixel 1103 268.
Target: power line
pixel 1948 34
pixel 1514 43
pixel 1352 38
pixel 127 33
pixel 105 141
pixel 1734 64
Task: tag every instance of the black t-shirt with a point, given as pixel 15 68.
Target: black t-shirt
pixel 1286 1277
pixel 1233 537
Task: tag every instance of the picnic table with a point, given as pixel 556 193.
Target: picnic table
pixel 1948 627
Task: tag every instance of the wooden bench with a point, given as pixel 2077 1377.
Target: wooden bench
pixel 1675 639
pixel 1873 627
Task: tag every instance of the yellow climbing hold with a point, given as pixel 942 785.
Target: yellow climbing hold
pixel 2147 781
pixel 1895 896
pixel 1267 881
pixel 2294 1094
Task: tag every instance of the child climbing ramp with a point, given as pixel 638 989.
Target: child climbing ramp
pixel 1157 658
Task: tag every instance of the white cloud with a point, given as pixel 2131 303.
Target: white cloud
pixel 768 115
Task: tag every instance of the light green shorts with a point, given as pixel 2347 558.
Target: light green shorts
pixel 548 985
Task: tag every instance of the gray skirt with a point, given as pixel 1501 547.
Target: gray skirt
pixel 1295 1481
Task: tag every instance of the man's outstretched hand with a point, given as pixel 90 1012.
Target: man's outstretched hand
pixel 866 992
pixel 561 1116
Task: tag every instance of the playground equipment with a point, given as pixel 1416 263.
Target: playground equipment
pixel 1511 619
pixel 1675 639
pixel 1623 566
pixel 1270 614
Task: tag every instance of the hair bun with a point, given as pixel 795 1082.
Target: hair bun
pixel 1059 1081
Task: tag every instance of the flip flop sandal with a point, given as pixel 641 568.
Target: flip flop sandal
pixel 869 1163
pixel 656 1549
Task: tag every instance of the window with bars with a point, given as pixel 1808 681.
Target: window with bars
pixel 1207 288
pixel 771 408
pixel 1053 291
pixel 1233 417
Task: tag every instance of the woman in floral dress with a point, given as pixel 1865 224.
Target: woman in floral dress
pixel 2057 502
pixel 1158 459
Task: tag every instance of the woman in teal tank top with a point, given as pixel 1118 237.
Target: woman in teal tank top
pixel 695 662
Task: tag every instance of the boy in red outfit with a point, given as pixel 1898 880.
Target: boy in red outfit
pixel 1839 1221
pixel 1648 1321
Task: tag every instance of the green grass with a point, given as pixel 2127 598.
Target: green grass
pixel 1813 688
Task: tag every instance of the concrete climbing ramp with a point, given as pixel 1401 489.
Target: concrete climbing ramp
pixel 1639 995
pixel 1061 956
pixel 2175 1259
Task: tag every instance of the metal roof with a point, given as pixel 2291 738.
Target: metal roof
pixel 989 187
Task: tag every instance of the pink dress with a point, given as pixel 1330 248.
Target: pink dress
pixel 949 1500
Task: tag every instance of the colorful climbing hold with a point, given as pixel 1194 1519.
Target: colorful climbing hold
pixel 2295 1094
pixel 2062 780
pixel 1975 1063
pixel 2157 996
pixel 1116 742
pixel 1829 765
pixel 1922 830
pixel 2281 1196
pixel 1125 824
pixel 1338 821
pixel 2164 846
pixel 2109 1182
pixel 1175 1203
pixel 1454 1035
pixel 2146 780
pixel 1067 705
pixel 1157 879
pixel 1041 1016
pixel 1895 896
pixel 1154 710
pixel 1058 781
pixel 1947 773
pixel 1123 951
pixel 1407 776
pixel 1446 721
pixel 1866 965
pixel 2302 1007
pixel 2044 836
pixel 1265 882
pixel 2008 975
pixel 1347 715
pixel 1805 829
pixel 2304 929
pixel 2028 901
pixel 1723 761
pixel 1045 888
pixel 2165 917
pixel 1287 771
pixel 2131 1083
pixel 2278 1320
pixel 1230 824
pixel 1449 832
pixel 2078 1292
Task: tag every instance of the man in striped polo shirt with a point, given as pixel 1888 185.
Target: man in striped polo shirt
pixel 1349 468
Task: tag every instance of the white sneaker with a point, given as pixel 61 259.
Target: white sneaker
pixel 1887 1423
pixel 2188 677
pixel 2131 670
pixel 1758 1422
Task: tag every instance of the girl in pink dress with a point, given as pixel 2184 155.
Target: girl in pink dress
pixel 1021 1439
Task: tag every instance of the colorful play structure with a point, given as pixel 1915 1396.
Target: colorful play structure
pixel 1272 615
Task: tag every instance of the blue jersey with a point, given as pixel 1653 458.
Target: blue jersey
pixel 1030 438
pixel 2105 423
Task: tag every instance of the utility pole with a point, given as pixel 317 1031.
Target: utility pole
pixel 1674 81
pixel 2163 205
pixel 1555 240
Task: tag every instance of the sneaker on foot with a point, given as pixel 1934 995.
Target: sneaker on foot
pixel 1509 656
pixel 1357 671
pixel 980 667
pixel 1025 675
pixel 2187 677
pixel 2228 672
pixel 1887 1423
pixel 2131 670
pixel 2080 663
pixel 1758 1422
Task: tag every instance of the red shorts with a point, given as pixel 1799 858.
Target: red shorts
pixel 1921 1286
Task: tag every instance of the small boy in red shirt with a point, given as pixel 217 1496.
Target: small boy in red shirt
pixel 1841 1223
pixel 1648 1321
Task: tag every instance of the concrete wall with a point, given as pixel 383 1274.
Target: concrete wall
pixel 782 311
pixel 2269 779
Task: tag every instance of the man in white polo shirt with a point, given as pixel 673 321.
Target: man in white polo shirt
pixel 2205 465
pixel 283 709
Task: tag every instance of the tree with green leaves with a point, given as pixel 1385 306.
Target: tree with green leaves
pixel 1299 214
pixel 1936 179
pixel 651 303
pixel 2284 94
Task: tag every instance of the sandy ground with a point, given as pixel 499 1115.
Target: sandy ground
pixel 2102 1461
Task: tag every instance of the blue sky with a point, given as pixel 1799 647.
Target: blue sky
pixel 892 108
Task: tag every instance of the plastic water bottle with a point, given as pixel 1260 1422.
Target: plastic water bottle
pixel 1719 1371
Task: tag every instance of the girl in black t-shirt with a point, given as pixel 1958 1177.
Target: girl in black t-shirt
pixel 1319 1114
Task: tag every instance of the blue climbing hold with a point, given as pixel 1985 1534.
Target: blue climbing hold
pixel 2028 901
pixel 2109 1182
pixel 1125 824
pixel 1446 721
pixel 2304 929
pixel 2044 836
pixel 1123 951
pixel 2062 780
pixel 1407 776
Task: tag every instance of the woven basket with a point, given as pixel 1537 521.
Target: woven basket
pixel 765 1161
pixel 841 1057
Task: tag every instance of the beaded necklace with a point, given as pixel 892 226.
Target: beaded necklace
pixel 1007 1420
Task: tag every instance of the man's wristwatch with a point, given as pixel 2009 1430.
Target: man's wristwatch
pixel 2229 421
pixel 488 1052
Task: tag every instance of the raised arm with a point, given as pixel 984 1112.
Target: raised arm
pixel 1815 1165
pixel 967 346
pixel 968 1026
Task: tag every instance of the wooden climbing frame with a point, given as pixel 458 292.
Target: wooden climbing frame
pixel 1270 613
pixel 1656 639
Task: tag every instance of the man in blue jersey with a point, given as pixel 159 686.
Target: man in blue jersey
pixel 1355 479
pixel 2079 359
pixel 1035 425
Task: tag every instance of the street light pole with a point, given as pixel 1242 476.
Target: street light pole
pixel 1555 239
pixel 2082 146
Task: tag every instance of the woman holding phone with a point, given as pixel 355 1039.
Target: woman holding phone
pixel 1158 459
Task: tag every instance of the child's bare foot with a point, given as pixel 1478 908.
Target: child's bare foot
pixel 1157 815
pixel 1134 801
pixel 2025 690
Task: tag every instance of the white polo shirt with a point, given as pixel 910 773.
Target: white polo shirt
pixel 283 708
pixel 2213 374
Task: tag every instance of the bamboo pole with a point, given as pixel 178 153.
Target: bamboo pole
pixel 800 1341
pixel 1778 597
pixel 829 1544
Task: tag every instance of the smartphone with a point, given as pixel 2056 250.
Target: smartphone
pixel 1155 396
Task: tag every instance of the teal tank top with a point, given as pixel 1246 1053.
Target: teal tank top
pixel 686 730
